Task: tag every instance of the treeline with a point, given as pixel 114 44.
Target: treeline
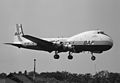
pixel 66 77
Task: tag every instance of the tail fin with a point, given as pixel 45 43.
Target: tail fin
pixel 19 33
pixel 19 29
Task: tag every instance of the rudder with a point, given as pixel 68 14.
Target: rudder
pixel 19 33
pixel 19 29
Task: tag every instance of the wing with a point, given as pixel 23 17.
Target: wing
pixel 43 44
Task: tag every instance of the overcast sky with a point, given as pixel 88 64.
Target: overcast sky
pixel 58 18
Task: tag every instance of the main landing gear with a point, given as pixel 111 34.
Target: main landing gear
pixel 70 57
pixel 56 56
pixel 93 57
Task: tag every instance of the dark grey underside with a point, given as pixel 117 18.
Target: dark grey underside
pixel 77 48
pixel 92 48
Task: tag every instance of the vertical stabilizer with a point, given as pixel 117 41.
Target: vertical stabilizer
pixel 19 33
pixel 19 29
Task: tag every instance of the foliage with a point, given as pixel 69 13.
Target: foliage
pixel 66 77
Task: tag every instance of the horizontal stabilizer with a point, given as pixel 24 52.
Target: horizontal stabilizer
pixel 17 45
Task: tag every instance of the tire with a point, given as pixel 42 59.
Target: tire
pixel 56 56
pixel 93 58
pixel 70 57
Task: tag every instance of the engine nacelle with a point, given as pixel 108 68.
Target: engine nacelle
pixel 69 47
pixel 61 47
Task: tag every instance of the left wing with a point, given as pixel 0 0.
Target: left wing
pixel 45 45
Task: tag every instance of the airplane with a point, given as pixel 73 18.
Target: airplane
pixel 94 41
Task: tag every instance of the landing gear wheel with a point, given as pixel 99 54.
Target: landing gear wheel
pixel 70 57
pixel 56 56
pixel 93 58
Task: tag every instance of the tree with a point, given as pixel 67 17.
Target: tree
pixel 3 75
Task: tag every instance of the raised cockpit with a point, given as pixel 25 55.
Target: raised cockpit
pixel 102 32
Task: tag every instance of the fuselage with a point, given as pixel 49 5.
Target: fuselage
pixel 95 41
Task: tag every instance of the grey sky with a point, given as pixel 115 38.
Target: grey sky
pixel 58 18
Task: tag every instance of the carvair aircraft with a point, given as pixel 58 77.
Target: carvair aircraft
pixel 94 41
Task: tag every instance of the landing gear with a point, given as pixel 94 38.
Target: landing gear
pixel 70 57
pixel 93 57
pixel 56 56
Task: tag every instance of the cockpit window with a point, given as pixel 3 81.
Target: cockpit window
pixel 101 32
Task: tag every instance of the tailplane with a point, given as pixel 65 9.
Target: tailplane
pixel 18 39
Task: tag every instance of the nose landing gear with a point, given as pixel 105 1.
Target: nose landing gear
pixel 93 57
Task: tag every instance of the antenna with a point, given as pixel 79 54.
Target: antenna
pixel 95 68
pixel 34 70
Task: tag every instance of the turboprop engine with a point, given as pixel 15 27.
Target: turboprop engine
pixel 63 47
pixel 69 47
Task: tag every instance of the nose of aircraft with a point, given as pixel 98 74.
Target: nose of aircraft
pixel 109 41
